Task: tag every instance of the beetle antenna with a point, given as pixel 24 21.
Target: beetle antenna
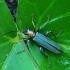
pixel 43 25
pixel 33 22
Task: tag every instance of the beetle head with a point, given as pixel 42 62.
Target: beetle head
pixel 29 33
pixel 26 31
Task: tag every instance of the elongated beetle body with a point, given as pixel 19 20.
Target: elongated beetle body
pixel 44 41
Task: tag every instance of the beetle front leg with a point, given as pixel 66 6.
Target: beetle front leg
pixel 20 51
pixel 50 32
pixel 25 40
pixel 41 50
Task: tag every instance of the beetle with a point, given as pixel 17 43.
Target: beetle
pixel 42 39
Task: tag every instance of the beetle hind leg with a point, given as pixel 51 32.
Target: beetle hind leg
pixel 41 50
pixel 50 32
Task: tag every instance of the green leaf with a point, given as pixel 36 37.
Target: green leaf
pixel 6 25
pixel 10 43
pixel 6 21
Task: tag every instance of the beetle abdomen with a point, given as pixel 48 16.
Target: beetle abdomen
pixel 47 43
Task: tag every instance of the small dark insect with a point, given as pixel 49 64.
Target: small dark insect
pixel 12 5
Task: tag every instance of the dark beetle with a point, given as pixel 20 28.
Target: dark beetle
pixel 43 40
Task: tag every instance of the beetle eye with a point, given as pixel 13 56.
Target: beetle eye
pixel 26 31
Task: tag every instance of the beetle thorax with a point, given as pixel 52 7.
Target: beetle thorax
pixel 31 34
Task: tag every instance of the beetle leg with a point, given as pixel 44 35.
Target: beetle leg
pixel 20 51
pixel 50 32
pixel 30 51
pixel 41 50
pixel 42 26
pixel 26 43
pixel 25 40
